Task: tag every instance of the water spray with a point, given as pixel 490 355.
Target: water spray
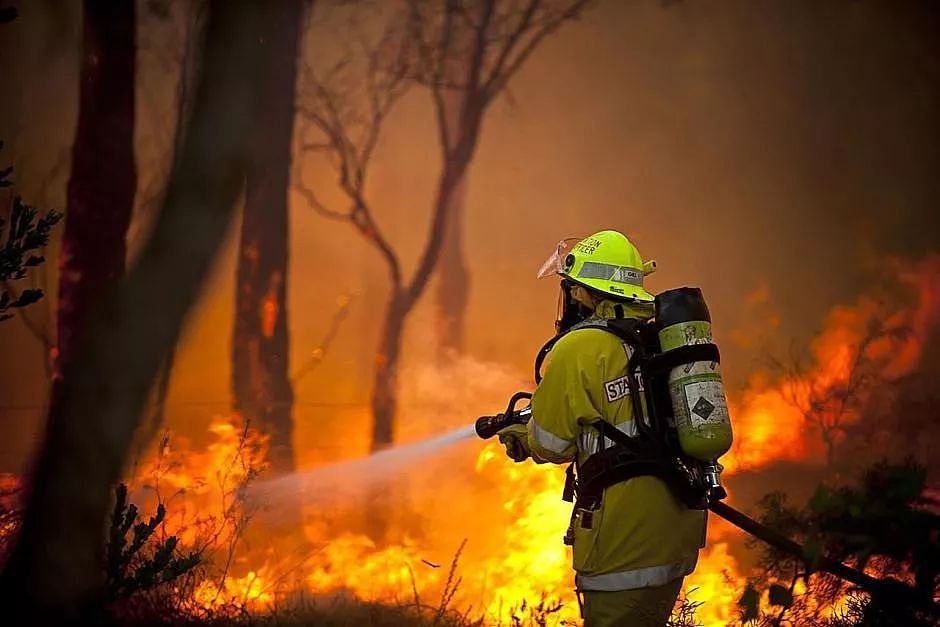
pixel 345 479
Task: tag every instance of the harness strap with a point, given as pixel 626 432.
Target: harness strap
pixel 585 324
pixel 571 485
pixel 613 466
pixel 665 362
pixel 631 457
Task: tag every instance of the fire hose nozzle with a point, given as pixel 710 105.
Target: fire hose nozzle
pixel 488 426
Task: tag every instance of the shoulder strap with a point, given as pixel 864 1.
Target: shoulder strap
pixel 628 331
pixel 637 446
pixel 543 352
pixel 665 362
pixel 623 328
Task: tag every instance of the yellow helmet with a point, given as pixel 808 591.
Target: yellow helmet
pixel 606 262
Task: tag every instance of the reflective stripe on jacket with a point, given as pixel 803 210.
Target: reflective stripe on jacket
pixel 640 536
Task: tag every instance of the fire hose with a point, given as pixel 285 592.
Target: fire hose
pixel 488 426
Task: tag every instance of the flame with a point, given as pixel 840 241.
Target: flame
pixel 269 308
pixel 773 417
pixel 509 515
pixel 200 486
pixel 10 486
pixel 715 583
pixel 250 591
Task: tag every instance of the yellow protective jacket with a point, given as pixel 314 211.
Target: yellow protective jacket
pixel 641 536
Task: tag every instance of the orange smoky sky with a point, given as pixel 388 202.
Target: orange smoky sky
pixel 773 153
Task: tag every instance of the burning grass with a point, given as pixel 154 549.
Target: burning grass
pixel 375 549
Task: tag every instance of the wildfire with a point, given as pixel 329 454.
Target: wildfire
pixel 885 339
pixel 715 582
pixel 505 520
pixel 200 487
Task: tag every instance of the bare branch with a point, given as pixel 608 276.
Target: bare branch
pixel 382 96
pixel 434 53
pixel 347 105
pixel 314 203
pixel 507 66
pixel 524 24
pixel 478 55
pixel 320 351
pixel 315 146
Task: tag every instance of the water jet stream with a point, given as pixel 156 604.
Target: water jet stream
pixel 347 479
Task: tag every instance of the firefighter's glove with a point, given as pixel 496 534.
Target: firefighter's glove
pixel 516 440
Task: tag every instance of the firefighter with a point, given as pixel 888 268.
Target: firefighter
pixel 632 552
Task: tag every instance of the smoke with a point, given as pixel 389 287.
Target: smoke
pixel 751 144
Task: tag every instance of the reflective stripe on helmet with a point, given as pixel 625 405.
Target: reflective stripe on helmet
pixel 638 578
pixel 610 272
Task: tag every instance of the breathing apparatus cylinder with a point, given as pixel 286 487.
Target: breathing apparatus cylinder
pixel 695 388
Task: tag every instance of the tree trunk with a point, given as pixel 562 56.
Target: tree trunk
pixel 453 285
pixel 385 383
pixel 54 574
pixel 261 387
pixel 404 298
pixel 101 188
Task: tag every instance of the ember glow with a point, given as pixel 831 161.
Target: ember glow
pixel 505 520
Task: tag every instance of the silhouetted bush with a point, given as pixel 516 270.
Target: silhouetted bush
pixel 26 232
pixel 886 524
pixel 133 565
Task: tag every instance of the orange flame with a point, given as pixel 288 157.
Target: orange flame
pixel 773 417
pixel 510 514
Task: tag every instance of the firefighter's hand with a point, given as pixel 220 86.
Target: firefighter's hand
pixel 516 440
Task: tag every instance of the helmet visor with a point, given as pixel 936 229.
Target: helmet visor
pixel 555 264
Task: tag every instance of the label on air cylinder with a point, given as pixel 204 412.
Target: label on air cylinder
pixel 705 401
pixel 685 334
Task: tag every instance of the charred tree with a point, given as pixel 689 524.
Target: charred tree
pixel 103 180
pixel 193 38
pixel 469 51
pixel 55 571
pixel 343 109
pixel 491 40
pixel 453 286
pixel 261 387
